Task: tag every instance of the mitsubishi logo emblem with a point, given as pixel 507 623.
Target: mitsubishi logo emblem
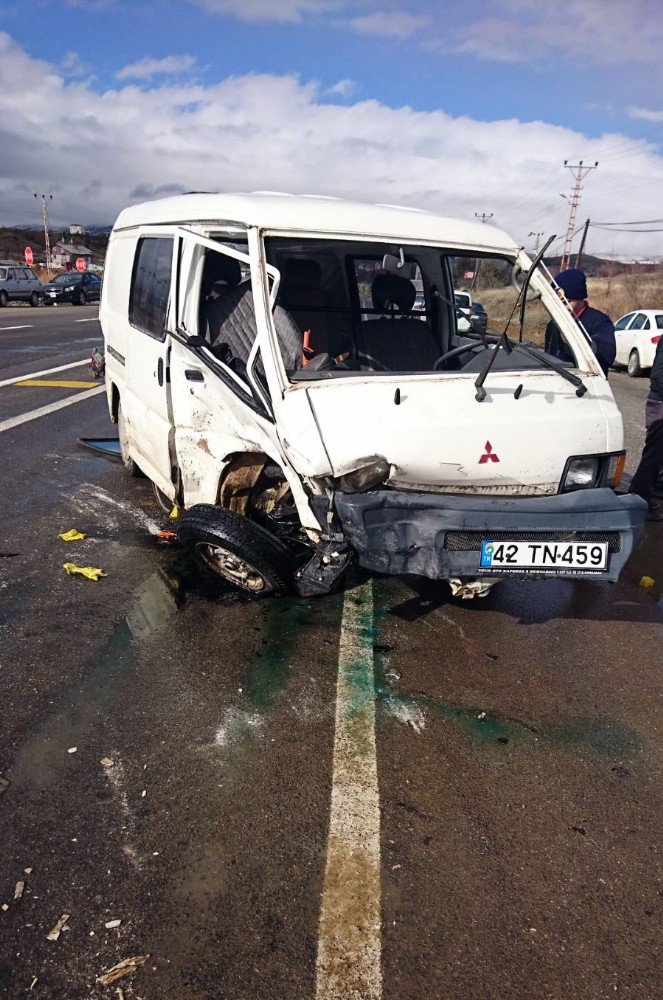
pixel 489 455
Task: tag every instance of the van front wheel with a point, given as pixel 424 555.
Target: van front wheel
pixel 246 555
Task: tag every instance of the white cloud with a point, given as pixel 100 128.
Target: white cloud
pixel 593 32
pixel 97 152
pixel 147 68
pixel 71 64
pixel 342 88
pixel 286 11
pixel 647 114
pixel 389 24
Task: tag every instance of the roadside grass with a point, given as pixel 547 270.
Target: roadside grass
pixel 615 296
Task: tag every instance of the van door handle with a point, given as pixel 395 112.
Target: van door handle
pixel 160 371
pixel 194 375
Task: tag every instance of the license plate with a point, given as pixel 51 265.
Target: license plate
pixel 544 557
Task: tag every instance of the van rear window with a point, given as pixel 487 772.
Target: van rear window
pixel 150 285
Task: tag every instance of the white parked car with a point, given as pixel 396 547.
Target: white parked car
pixel 269 373
pixel 637 335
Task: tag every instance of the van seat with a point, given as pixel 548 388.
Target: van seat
pixel 397 342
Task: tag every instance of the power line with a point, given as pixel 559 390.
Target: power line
pixel 633 222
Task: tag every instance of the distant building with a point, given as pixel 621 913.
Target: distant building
pixel 66 254
pixel 76 230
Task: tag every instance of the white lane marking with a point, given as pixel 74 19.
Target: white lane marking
pixel 349 943
pixel 43 411
pixel 91 319
pixel 47 371
pixel 23 327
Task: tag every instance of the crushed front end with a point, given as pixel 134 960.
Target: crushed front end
pixel 450 537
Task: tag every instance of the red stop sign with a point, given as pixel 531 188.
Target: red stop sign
pixel 29 256
pixel 80 264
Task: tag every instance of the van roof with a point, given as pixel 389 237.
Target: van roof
pixel 315 214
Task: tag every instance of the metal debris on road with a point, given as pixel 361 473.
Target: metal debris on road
pixel 55 932
pixel 4 907
pixel 166 536
pixel 107 762
pixel 73 535
pixel 72 749
pixel 19 889
pixel 112 923
pixel 108 447
pixel 35 980
pixel 89 572
pixel 27 871
pixel 123 968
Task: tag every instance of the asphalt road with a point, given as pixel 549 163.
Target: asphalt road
pixel 507 777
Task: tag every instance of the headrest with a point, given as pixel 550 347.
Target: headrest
pixel 218 267
pixel 389 290
pixel 302 274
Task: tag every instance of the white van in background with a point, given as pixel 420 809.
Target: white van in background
pixel 270 374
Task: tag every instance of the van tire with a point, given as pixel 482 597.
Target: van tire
pixel 238 550
pixel 633 367
pixel 4 298
pixel 127 460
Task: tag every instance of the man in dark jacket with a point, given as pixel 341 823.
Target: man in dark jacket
pixel 597 324
pixel 651 463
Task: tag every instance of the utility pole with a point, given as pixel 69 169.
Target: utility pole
pixel 482 217
pixel 579 172
pixel 582 244
pixel 537 239
pixel 44 219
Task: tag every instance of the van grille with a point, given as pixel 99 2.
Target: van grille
pixel 469 541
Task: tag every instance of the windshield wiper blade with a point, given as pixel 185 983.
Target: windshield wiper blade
pixel 542 358
pixel 575 380
pixel 522 295
pixel 504 343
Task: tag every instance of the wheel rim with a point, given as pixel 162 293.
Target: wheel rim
pixel 231 567
pixel 633 362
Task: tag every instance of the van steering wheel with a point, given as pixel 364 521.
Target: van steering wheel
pixel 456 351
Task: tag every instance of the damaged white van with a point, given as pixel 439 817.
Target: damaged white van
pixel 295 374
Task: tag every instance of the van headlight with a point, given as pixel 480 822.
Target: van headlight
pixel 587 472
pixel 374 473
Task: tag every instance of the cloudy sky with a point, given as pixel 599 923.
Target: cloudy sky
pixel 452 106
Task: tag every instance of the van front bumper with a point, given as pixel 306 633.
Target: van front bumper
pixel 439 536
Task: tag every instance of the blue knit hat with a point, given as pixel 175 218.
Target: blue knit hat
pixel 573 283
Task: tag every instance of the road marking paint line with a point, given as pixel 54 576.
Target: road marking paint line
pixel 43 411
pixel 27 326
pixel 349 943
pixel 47 371
pixel 90 319
pixel 56 383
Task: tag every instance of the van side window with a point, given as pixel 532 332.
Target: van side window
pixel 150 285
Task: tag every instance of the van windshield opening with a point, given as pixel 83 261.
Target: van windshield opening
pixel 379 308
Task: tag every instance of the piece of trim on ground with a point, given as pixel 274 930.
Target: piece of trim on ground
pixel 43 411
pixel 349 942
